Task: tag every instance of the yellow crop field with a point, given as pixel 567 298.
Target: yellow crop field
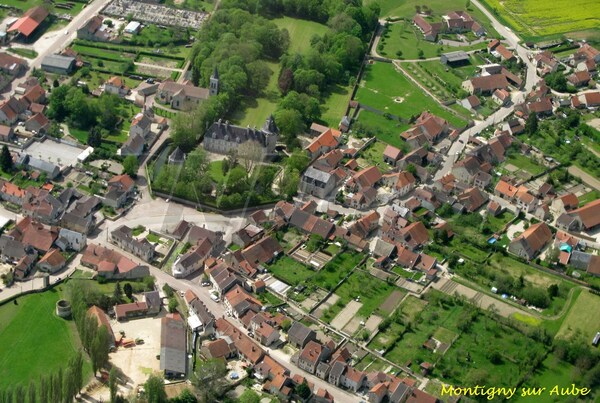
pixel 543 17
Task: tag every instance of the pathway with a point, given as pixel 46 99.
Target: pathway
pixel 156 66
pixel 587 178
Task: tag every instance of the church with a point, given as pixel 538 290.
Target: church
pixel 186 96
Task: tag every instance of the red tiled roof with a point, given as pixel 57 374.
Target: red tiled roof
pixel 30 20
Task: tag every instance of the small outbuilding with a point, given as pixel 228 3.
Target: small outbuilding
pixel 58 64
pixel 453 59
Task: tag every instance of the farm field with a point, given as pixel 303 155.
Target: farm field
pixel 535 18
pixel 33 337
pixel 390 91
pixel 403 37
pixel 583 316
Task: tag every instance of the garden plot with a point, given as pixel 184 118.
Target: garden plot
pixel 373 322
pixel 392 301
pixel 317 259
pixel 346 314
pixel 325 305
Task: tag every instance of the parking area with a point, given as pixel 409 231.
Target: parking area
pixel 62 154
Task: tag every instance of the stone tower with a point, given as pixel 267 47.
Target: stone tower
pixel 214 82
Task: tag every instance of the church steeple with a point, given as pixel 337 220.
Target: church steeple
pixel 214 82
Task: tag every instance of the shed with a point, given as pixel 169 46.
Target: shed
pixel 455 58
pixel 58 64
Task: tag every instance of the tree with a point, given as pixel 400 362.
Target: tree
pixel 94 137
pixel 314 243
pixel 44 389
pixel 186 396
pixel 285 81
pixel 69 387
pixel 130 165
pixel 531 125
pixel 118 293
pixel 286 324
pixel 100 348
pixel 249 396
pixel 77 371
pixel 57 386
pixel 468 4
pixel 113 384
pixel 288 185
pixel 6 161
pixel 250 152
pixel 303 390
pixel 553 291
pixel 173 304
pixel 128 290
pixel 32 393
pixel 155 390
pixel 169 292
pixel 19 393
pixel 210 379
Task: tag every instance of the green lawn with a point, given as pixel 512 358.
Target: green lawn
pixel 215 171
pixel 497 223
pixel 406 38
pixel 589 197
pixel 525 163
pixel 372 292
pixel 29 53
pixel 390 91
pixel 290 271
pixel 25 5
pixel 254 111
pixel 335 106
pixel 337 268
pixel 386 130
pixel 301 31
pixel 583 317
pixel 373 155
pixel 552 372
pixel 35 341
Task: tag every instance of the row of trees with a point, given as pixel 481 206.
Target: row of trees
pixel 94 338
pixel 61 386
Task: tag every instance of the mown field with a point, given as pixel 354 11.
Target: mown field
pixel 34 340
pixel 583 316
pixel 538 18
pixel 301 31
pixel 390 91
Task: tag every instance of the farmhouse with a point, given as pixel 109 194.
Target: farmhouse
pixel 11 65
pixel 222 137
pixel 94 30
pixel 485 85
pixel 430 31
pixel 531 242
pixel 29 22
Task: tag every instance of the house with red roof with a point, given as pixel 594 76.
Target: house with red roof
pixel 531 242
pixel 326 142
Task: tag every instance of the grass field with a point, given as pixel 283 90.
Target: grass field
pixel 536 18
pixel 301 31
pixel 35 341
pixel 372 292
pixel 407 39
pixel 335 106
pixel 583 317
pixel 290 271
pixel 254 111
pixel 552 372
pixel 373 155
pixel 386 130
pixel 390 91
pixel 525 163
